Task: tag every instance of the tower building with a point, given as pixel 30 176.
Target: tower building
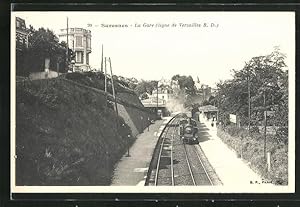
pixel 79 40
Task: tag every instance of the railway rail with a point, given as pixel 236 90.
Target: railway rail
pixel 166 152
pixel 175 163
pixel 197 170
pixel 155 164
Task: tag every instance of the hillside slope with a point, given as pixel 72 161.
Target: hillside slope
pixel 66 135
pixel 96 80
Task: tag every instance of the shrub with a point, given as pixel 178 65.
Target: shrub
pixel 254 129
pixel 282 135
pixel 253 152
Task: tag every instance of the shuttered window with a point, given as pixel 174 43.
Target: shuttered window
pixel 78 41
pixel 79 57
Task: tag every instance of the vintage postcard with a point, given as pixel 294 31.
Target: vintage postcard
pixel 152 102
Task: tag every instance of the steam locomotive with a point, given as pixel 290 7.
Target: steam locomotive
pixel 188 131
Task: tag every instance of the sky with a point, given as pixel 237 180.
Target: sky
pixel 152 52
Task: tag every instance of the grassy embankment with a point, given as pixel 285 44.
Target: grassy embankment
pixel 66 135
pixel 96 80
pixel 131 108
pixel 253 152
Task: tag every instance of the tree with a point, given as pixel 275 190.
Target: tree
pixel 43 43
pixel 268 82
pixel 145 87
pixel 186 83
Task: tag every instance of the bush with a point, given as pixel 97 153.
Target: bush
pixel 279 166
pixel 282 135
pixel 235 131
pixel 254 129
pixel 253 152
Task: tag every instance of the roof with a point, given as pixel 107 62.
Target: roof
pixel 208 108
pixel 21 26
pixel 152 102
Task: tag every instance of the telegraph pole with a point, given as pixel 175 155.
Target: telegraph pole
pixel 113 87
pixel 265 125
pixel 102 60
pixel 249 104
pixel 157 99
pixel 68 42
pixel 105 77
pixel 218 104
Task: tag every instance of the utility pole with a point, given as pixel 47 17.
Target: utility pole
pixel 102 60
pixel 67 43
pixel 218 104
pixel 113 87
pixel 105 76
pixel 157 99
pixel 249 104
pixel 265 125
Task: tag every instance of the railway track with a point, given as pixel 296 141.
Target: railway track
pixel 154 172
pixel 178 164
pixel 198 172
pixel 164 169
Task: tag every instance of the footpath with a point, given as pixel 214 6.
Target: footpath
pixel 232 171
pixel 132 170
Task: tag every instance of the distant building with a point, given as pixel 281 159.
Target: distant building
pixel 163 94
pixel 21 34
pixel 209 112
pixel 156 105
pixel 152 102
pixel 79 40
pixel 164 81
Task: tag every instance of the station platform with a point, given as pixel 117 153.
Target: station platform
pixel 232 171
pixel 132 170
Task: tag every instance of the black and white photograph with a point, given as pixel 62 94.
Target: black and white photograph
pixel 152 102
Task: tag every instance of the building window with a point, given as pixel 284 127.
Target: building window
pixel 18 24
pixel 87 59
pixel 79 57
pixel 78 41
pixel 88 42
